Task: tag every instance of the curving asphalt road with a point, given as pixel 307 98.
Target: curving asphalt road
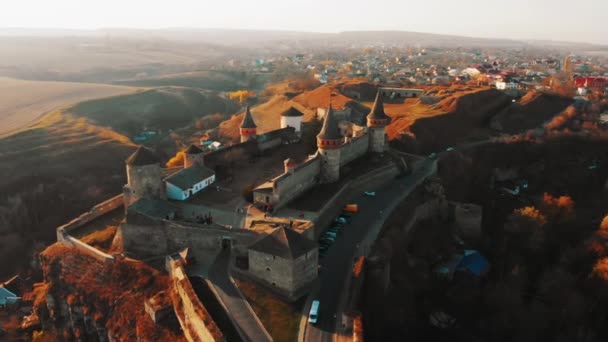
pixel 357 238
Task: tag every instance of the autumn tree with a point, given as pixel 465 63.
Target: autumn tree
pixel 241 95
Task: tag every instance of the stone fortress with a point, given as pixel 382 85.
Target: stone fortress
pixel 161 203
pixel 339 142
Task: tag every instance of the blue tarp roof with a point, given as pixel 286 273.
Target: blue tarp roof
pixel 474 262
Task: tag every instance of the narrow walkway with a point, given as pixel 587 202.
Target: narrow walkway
pixel 238 307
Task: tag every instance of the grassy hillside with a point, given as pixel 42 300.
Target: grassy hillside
pixel 209 79
pixel 161 108
pixel 23 101
pixel 52 171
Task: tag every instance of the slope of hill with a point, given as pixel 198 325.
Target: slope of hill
pixel 23 101
pixel 52 171
pixel 532 110
pixel 161 108
pixel 208 79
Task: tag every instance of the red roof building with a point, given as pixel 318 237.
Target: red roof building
pixel 593 83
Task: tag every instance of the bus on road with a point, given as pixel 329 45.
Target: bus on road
pixel 313 315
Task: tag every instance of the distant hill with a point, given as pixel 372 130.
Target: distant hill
pixel 163 108
pixel 248 38
pixel 24 101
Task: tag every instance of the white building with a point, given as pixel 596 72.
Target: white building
pixel 292 118
pixel 187 182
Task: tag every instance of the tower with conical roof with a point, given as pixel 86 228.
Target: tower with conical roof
pixel 248 127
pixel 377 121
pixel 143 177
pixel 193 156
pixel 329 143
pixel 292 118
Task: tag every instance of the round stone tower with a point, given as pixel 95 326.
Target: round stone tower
pixel 377 121
pixel 248 127
pixel 292 118
pixel 193 156
pixel 143 176
pixel 329 143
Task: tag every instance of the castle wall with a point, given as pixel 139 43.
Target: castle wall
pixel 143 182
pixel 305 269
pixel 271 143
pixel 192 159
pixel 95 212
pixel 377 139
pixel 292 184
pixel 330 165
pixel 274 270
pixel 289 276
pixel 166 237
pixel 237 153
pixel 401 92
pixel 195 320
pixel 354 149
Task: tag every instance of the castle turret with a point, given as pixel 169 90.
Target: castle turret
pixel 193 156
pixel 292 118
pixel 143 176
pixel 329 142
pixel 377 121
pixel 248 127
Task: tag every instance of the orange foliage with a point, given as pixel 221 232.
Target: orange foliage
pixel 533 214
pixel 562 119
pixel 241 95
pixel 115 291
pixel 600 270
pixel 559 208
pixel 358 266
pixel 177 160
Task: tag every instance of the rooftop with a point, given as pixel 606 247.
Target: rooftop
pixel 186 178
pixel 193 149
pixel 377 111
pixel 330 129
pixel 143 156
pixel 153 207
pixel 248 120
pixel 284 243
pixel 293 112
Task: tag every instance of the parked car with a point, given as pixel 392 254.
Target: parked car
pixel 449 149
pixel 433 155
pixel 370 193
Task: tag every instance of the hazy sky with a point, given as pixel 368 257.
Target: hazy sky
pixel 580 20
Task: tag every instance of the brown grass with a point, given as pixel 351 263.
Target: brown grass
pixel 115 291
pixel 101 239
pixel 280 318
pixel 22 102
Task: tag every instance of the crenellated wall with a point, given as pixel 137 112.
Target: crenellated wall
pixel 354 148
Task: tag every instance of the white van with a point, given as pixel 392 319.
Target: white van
pixel 313 315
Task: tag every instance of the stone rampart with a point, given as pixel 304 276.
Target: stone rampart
pixel 88 249
pixel 354 148
pixel 193 317
pixel 291 184
pixel 95 212
pixel 64 232
pixel 165 237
